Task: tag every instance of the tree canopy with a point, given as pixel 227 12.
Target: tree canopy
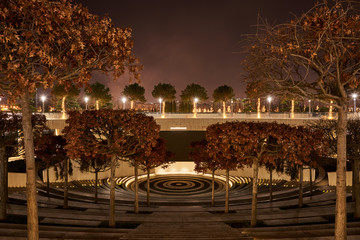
pixel 192 91
pixel 315 56
pixel 134 92
pixel 99 93
pixel 124 132
pixel 47 42
pixel 223 93
pixel 165 91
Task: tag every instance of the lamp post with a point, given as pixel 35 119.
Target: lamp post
pixel 269 99
pixel 309 107
pixel 194 109
pixel 86 99
pixel 43 98
pixel 123 99
pixel 160 101
pixel 354 96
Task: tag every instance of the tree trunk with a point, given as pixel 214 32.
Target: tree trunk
pixel 136 204
pixel 47 182
pixel 32 208
pixel 353 183
pixel 112 192
pixel 3 184
pixel 224 109
pixel 270 184
pixel 356 190
pixel 301 203
pixel 311 181
pixel 163 109
pixel 258 108
pixel 292 114
pixel 66 172
pixel 97 104
pixel 254 192
pixel 6 180
pixel 148 188
pixel 213 188
pixel 227 191
pixel 96 186
pixel 195 110
pixel 340 210
pixel 132 104
pixel 63 104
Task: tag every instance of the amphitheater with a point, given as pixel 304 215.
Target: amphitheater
pixel 180 206
pixel 180 209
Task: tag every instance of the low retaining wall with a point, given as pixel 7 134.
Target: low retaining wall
pixel 332 178
pixel 16 179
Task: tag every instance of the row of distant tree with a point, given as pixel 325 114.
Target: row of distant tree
pixel 67 98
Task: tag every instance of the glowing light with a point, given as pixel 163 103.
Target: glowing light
pixel 178 128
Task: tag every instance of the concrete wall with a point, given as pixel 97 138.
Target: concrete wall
pixel 16 179
pixel 332 178
pixel 122 170
pixel 186 122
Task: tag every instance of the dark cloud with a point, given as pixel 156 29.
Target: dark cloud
pixel 190 41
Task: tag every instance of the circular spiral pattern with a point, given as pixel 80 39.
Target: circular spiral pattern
pixel 179 185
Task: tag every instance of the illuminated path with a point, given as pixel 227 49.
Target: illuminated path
pixel 180 209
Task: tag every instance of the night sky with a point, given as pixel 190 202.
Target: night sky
pixel 190 41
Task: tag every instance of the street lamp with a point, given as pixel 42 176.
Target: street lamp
pixel 86 99
pixel 354 96
pixel 43 98
pixel 195 110
pixel 269 99
pixel 123 99
pixel 160 101
pixel 309 107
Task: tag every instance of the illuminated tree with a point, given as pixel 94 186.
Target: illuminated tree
pixel 303 146
pixel 134 92
pixel 157 157
pixel 223 94
pixel 10 133
pixel 95 164
pixel 203 163
pixel 126 133
pixel 98 92
pixel 9 126
pixel 165 91
pixel 192 91
pixel 222 146
pixel 315 56
pixel 353 151
pixel 61 92
pixel 50 150
pixel 48 42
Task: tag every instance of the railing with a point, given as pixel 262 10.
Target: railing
pixel 252 115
